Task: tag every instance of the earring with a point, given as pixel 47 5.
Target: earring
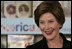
pixel 60 25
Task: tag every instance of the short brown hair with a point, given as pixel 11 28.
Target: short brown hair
pixel 53 7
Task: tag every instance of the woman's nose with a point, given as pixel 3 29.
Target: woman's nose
pixel 47 26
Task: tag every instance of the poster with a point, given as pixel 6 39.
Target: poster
pixel 20 41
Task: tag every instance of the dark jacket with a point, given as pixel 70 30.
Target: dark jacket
pixel 43 43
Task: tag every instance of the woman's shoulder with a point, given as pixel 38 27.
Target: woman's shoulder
pixel 35 45
pixel 69 42
pixel 66 43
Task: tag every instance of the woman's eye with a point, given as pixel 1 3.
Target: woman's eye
pixel 51 21
pixel 41 22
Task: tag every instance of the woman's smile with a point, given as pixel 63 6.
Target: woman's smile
pixel 49 32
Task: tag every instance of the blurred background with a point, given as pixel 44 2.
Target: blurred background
pixel 18 29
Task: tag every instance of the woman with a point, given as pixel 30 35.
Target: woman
pixel 49 17
pixel 11 9
pixel 23 11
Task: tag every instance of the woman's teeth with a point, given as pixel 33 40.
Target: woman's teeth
pixel 49 32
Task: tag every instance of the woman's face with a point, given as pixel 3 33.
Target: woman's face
pixel 11 10
pixel 23 8
pixel 49 25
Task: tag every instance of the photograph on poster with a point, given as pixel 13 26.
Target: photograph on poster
pixel 11 9
pixel 67 12
pixel 66 5
pixel 67 8
pixel 23 9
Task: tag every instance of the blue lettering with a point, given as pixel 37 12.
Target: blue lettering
pixel 21 26
pixel 17 27
pixel 24 27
